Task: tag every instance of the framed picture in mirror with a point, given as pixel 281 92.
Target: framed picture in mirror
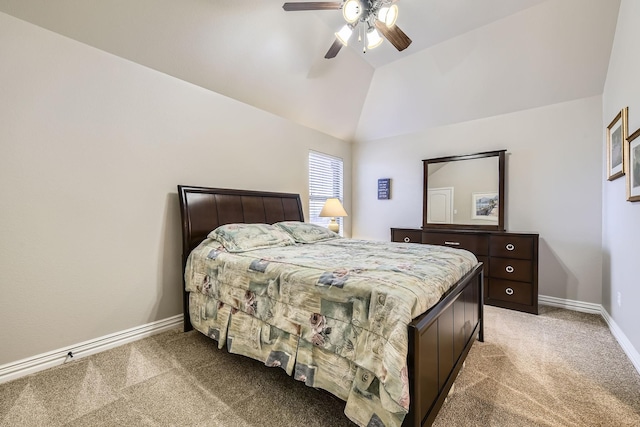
pixel 485 206
pixel 616 135
pixel 633 166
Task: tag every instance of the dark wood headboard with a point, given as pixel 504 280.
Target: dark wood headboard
pixel 204 209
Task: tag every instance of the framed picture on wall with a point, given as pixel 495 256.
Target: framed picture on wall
pixel 485 206
pixel 616 135
pixel 633 166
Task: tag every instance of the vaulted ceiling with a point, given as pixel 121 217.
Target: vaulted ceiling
pixel 469 58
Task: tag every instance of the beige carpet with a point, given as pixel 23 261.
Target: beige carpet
pixel 560 368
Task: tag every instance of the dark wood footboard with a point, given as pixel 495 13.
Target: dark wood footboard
pixel 439 341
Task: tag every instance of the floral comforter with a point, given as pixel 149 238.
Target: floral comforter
pixel 333 314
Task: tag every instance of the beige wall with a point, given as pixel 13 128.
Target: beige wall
pixel 92 147
pixel 553 185
pixel 530 83
pixel 621 219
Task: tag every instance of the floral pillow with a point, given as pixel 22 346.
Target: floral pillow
pixel 304 232
pixel 247 237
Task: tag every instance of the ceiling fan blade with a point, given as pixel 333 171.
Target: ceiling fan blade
pixel 395 35
pixel 334 49
pixel 312 5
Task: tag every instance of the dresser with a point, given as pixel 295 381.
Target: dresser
pixel 510 261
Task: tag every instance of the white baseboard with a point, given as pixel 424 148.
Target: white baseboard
pixel 588 307
pixel 14 370
pixel 624 342
pixel 585 307
pixel 20 368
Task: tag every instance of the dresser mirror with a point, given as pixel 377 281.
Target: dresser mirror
pixel 464 192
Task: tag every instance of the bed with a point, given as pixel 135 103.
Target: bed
pixel 348 359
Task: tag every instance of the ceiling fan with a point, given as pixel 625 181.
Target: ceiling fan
pixel 372 17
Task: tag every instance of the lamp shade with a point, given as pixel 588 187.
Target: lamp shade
pixel 351 11
pixel 388 15
pixel 373 39
pixel 333 208
pixel 344 34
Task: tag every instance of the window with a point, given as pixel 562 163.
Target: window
pixel 325 181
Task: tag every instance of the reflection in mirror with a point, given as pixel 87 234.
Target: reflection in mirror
pixel 464 191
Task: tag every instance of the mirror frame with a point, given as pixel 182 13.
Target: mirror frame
pixel 500 154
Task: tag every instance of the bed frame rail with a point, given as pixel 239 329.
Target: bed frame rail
pixel 439 341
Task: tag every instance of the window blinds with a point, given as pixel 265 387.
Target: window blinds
pixel 325 181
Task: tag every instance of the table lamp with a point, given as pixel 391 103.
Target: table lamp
pixel 333 208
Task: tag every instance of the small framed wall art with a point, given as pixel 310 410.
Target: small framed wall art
pixel 384 188
pixel 632 156
pixel 616 135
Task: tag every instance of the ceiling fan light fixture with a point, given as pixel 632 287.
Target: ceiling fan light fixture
pixel 373 39
pixel 351 11
pixel 388 15
pixel 344 34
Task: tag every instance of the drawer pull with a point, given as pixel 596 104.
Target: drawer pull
pixel 452 243
pixel 509 269
pixel 407 240
pixel 510 247
pixel 509 291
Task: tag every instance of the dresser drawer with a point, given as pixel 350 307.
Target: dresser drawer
pixel 406 235
pixel 511 246
pixel 511 269
pixel 476 243
pixel 508 291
